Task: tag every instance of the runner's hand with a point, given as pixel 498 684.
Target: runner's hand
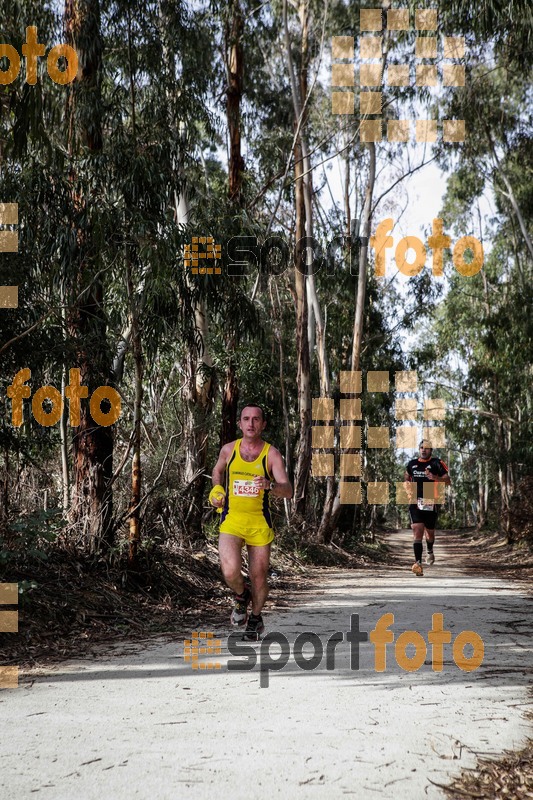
pixel 429 474
pixel 217 496
pixel 261 483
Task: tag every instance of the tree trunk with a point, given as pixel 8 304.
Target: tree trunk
pixel 278 335
pixel 303 375
pixel 136 469
pixel 235 72
pixel 92 502
pixel 481 515
pixel 235 67
pixel 332 505
pixel 511 195
pixel 230 402
pixel 197 391
pixel 63 431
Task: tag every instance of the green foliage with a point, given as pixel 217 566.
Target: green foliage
pixel 28 539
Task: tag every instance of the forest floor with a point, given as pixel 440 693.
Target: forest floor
pixel 112 723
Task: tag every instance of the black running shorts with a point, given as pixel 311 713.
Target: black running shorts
pixel 429 518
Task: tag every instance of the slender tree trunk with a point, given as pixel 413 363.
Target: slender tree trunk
pixel 332 505
pixel 197 398
pixel 4 488
pixel 233 102
pixel 136 470
pixel 65 476
pixel 303 376
pixel 307 305
pixel 481 515
pixel 235 73
pixel 278 334
pixel 197 392
pixel 315 324
pixel 363 261
pixel 511 195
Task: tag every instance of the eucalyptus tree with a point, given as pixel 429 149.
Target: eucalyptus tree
pixel 496 336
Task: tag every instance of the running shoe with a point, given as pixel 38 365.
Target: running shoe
pixel 240 607
pixel 417 569
pixel 430 558
pixel 254 629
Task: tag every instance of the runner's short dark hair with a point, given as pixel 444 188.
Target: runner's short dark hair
pixel 254 405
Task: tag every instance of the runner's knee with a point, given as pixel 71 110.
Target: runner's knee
pixel 230 571
pixel 258 576
pixel 418 531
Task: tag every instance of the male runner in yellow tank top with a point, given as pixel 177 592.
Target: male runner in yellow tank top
pixel 247 471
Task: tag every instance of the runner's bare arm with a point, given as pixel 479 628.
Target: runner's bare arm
pixel 282 486
pixel 219 469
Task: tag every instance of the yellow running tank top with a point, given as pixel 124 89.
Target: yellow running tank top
pixel 245 505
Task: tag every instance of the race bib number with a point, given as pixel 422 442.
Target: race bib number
pixel 245 489
pixel 425 505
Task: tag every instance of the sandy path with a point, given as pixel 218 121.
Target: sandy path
pixel 145 725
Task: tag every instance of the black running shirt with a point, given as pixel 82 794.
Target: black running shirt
pixel 417 467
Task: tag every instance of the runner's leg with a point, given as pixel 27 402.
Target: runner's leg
pixel 418 537
pixel 229 549
pixel 430 538
pixel 258 561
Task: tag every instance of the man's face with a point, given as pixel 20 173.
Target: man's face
pixel 252 422
pixel 425 452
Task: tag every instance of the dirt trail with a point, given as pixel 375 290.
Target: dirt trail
pixel 145 725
